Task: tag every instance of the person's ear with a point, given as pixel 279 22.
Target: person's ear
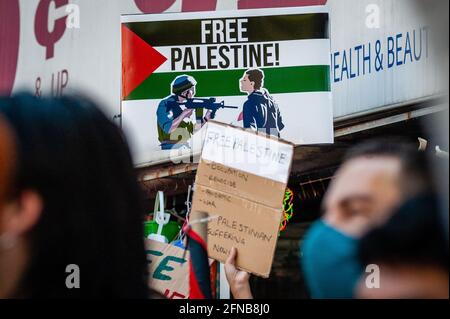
pixel 20 216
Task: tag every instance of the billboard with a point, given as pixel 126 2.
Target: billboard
pixel 383 52
pixel 265 70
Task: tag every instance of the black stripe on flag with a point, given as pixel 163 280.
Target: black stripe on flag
pixel 259 29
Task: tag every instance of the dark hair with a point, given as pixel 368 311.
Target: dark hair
pixel 413 235
pixel 7 152
pixel 79 163
pixel 257 76
pixel 415 173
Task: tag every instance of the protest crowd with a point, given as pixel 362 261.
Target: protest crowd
pixel 226 150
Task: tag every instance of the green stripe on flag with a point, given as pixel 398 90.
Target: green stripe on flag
pixel 314 78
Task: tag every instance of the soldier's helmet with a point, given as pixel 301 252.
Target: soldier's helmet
pixel 182 83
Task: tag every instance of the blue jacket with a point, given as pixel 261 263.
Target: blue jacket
pixel 261 113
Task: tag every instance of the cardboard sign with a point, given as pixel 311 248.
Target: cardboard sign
pixel 237 61
pixel 240 183
pixel 168 269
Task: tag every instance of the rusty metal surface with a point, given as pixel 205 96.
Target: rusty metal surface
pixel 162 171
pixel 175 178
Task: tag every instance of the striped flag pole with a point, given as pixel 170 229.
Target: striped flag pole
pixel 199 272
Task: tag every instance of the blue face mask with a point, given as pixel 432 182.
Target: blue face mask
pixel 329 262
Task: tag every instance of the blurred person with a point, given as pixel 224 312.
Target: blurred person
pixel 374 179
pixel 74 200
pixel 7 152
pixel 410 252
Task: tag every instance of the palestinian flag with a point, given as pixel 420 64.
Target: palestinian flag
pixel 285 47
pixel 199 272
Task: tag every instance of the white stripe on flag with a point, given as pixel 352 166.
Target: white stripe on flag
pixel 291 53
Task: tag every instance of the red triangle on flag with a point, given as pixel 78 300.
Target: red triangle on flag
pixel 139 61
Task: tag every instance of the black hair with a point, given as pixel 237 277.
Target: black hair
pixel 7 159
pixel 79 163
pixel 412 236
pixel 415 172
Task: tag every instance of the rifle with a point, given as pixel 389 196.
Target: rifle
pixel 206 103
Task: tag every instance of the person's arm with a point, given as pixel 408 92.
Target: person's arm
pixel 176 122
pixel 237 279
pixel 207 116
pixel 280 123
pixel 249 116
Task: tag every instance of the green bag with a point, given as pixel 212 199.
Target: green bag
pixel 169 229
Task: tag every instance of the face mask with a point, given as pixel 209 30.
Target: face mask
pixel 329 262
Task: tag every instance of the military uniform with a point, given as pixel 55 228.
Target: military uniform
pixel 168 110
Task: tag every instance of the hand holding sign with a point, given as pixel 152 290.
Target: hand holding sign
pixel 241 179
pixel 238 279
